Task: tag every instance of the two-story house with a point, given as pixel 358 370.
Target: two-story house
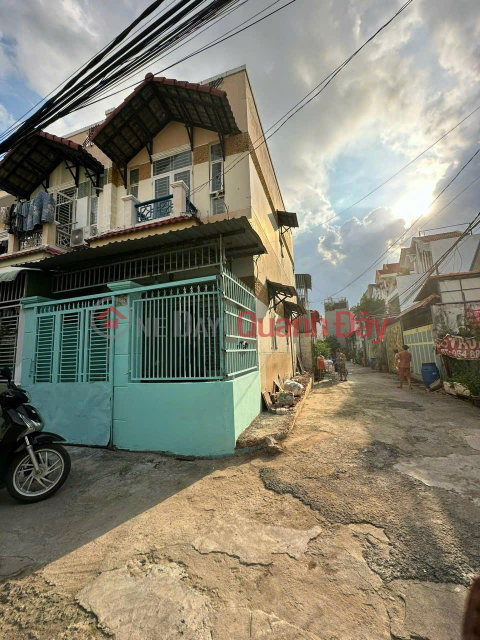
pixel 167 214
pixel 395 282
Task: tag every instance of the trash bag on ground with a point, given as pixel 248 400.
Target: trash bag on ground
pixel 294 387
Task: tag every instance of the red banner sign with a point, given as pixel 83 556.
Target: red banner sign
pixel 459 348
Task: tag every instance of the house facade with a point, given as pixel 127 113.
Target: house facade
pixel 395 282
pixel 167 215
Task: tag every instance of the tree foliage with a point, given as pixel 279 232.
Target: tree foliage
pixel 373 306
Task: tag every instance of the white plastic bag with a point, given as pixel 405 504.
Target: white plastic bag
pixel 294 387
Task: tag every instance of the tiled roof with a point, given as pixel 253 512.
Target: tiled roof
pixel 438 236
pixel 43 249
pixel 138 227
pixel 389 268
pixel 25 166
pixel 155 103
pixel 419 305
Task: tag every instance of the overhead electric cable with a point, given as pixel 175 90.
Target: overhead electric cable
pixel 19 120
pixel 303 103
pixel 418 284
pixel 174 23
pixel 380 258
pixel 337 215
pixel 218 40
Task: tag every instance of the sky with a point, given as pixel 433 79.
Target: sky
pixel 407 88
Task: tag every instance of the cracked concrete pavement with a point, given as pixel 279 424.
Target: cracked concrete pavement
pixel 366 527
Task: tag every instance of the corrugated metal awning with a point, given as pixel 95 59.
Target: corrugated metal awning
pixel 294 309
pixel 7 274
pixel 277 289
pixel 239 239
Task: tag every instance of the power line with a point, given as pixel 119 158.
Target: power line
pixel 438 212
pixel 412 289
pixel 151 8
pixel 320 224
pixel 174 24
pixel 306 100
pixel 388 250
pixel 214 42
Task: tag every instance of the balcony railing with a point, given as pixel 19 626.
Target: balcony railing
pixel 154 209
pixel 31 240
pixel 64 235
pixel 159 208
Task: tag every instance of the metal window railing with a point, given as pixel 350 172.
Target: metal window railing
pixel 241 354
pixel 159 208
pixel 64 235
pixel 154 209
pixel 152 264
pixel 31 240
pixel 176 334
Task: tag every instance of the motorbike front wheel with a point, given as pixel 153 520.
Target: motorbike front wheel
pixel 26 485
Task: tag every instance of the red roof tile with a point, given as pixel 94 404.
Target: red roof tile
pixel 418 305
pixel 43 249
pixel 391 268
pixel 438 236
pixel 139 227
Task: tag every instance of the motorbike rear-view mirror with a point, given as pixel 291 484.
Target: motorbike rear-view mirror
pixel 6 373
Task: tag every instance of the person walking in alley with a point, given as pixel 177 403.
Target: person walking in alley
pixel 404 359
pixel 342 366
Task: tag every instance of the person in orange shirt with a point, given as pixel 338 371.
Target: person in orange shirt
pixel 404 359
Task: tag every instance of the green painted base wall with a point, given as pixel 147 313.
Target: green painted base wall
pixel 191 418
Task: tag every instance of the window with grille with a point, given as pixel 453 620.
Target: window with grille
pixel 8 336
pixel 94 211
pixel 79 353
pixel 134 179
pixel 218 205
pixel 171 169
pixel 216 168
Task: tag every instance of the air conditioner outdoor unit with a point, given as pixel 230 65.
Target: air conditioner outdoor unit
pixel 90 231
pixel 77 238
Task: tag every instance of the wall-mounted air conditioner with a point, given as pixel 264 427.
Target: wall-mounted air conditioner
pixel 90 231
pixel 77 238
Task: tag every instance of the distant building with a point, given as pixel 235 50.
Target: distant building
pixel 333 309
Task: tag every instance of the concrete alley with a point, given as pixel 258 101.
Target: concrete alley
pixel 366 527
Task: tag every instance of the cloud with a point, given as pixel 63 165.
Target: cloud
pixel 415 81
pixel 6 118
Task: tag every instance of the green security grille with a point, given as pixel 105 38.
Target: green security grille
pixel 176 334
pixel 69 369
pixel 68 348
pixel 190 331
pixel 45 349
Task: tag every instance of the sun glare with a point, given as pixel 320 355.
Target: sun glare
pixel 414 203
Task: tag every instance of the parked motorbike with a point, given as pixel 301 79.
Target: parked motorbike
pixel 32 465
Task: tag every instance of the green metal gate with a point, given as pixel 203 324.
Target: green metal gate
pixel 71 371
pixel 190 331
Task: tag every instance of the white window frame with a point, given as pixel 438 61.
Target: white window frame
pixel 213 162
pixel 170 174
pixel 133 185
